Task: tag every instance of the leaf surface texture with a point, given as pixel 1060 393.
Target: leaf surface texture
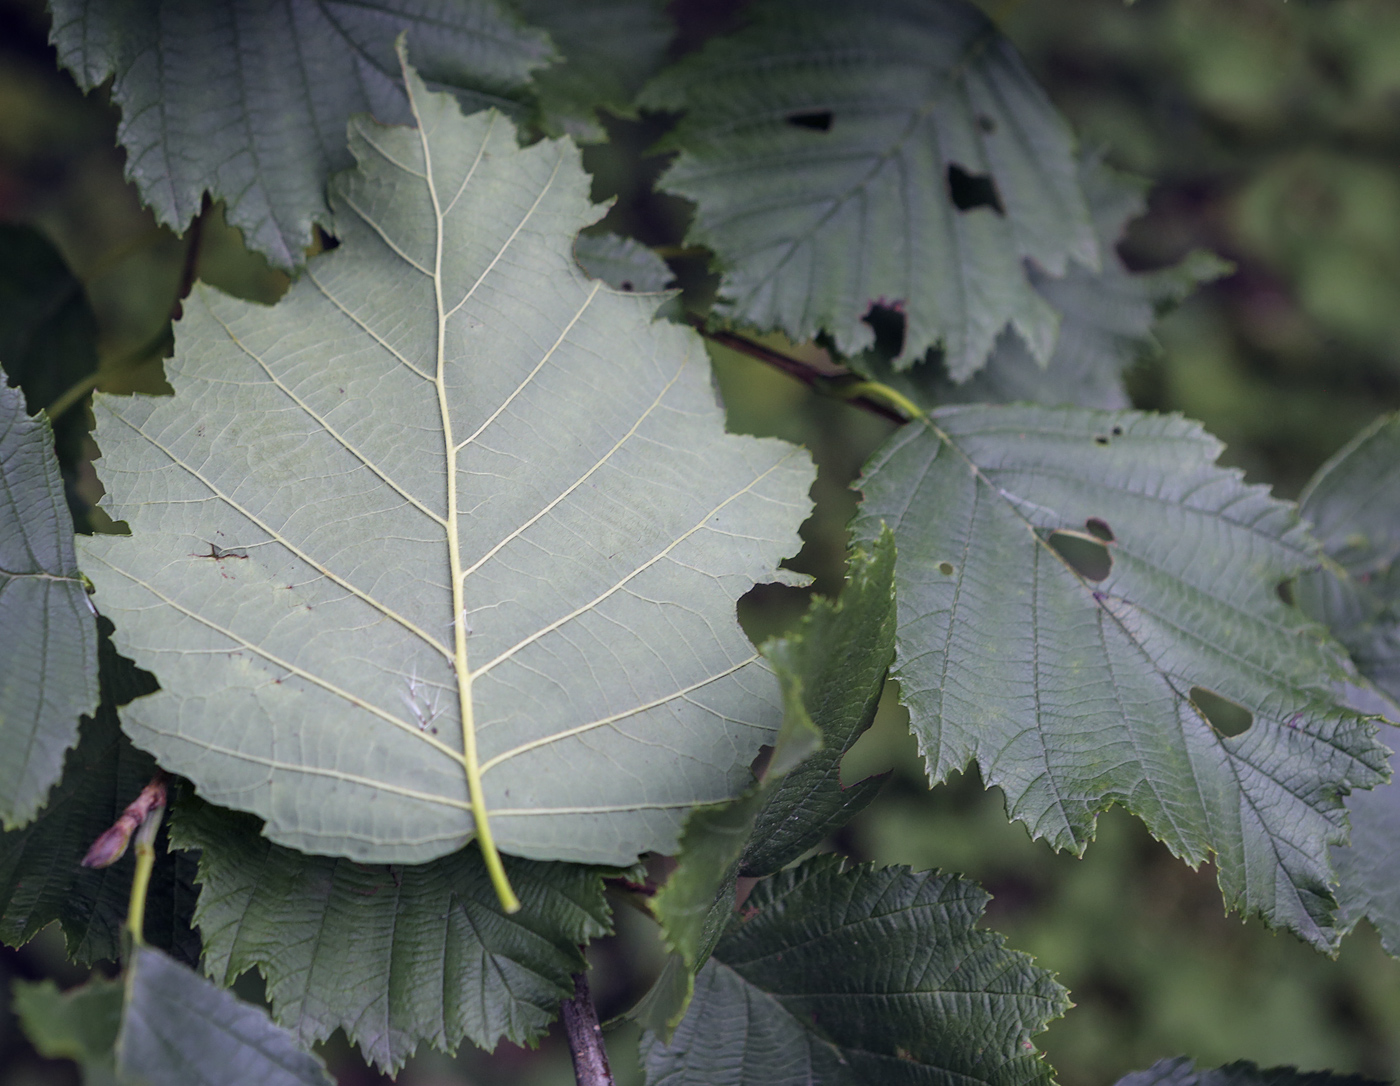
pixel 48 667
pixel 1077 591
pixel 826 146
pixel 393 955
pixel 449 511
pixel 249 99
pixel 866 975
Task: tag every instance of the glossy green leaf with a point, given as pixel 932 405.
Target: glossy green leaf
pixel 396 955
pixel 450 510
pixel 860 976
pixel 825 129
pixel 1182 1072
pixel 41 878
pixel 180 1030
pixel 80 1024
pixel 1106 320
pixel 1082 597
pixel 1353 503
pixel 839 654
pixel 609 49
pixel 48 669
pixel 248 100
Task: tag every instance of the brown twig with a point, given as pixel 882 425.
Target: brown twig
pixel 586 1037
pixel 825 383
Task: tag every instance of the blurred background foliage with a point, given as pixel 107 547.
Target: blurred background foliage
pixel 1271 131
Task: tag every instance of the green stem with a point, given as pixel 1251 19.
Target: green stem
pixel 879 391
pixel 141 880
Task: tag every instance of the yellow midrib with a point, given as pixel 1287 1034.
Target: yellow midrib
pixel 470 762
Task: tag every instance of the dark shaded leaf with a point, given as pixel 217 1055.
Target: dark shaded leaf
pixel 393 955
pixel 1182 1072
pixel 860 976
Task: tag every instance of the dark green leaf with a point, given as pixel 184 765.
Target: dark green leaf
pixel 609 47
pixel 179 1030
pixel 392 955
pixel 840 653
pixel 80 1024
pixel 1182 1072
pixel 48 666
pixel 905 131
pixel 40 877
pixel 856 977
pixel 1073 693
pixel 249 100
pixel 1106 320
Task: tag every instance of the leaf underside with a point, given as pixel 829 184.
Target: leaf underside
pixel 855 977
pixel 1078 686
pixel 393 955
pixel 178 1029
pixel 449 509
pixel 48 665
pixel 1354 504
pixel 248 99
pixel 1106 320
pixel 826 129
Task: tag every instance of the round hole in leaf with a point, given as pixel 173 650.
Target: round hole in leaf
pixel 1227 717
pixel 1117 431
pixel 973 190
pixel 1099 529
pixel 1086 555
pixel 1100 439
pixel 817 120
pixel 945 568
pixel 1285 591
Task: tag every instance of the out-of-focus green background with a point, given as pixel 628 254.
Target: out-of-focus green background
pixel 1272 131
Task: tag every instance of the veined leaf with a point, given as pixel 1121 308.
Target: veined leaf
pixel 610 48
pixel 1089 608
pixel 1106 319
pixel 1354 504
pixel 248 99
pixel 392 955
pixel 905 131
pixel 48 669
pixel 859 976
pixel 1182 1072
pixel 178 1029
pixel 41 878
pixel 452 528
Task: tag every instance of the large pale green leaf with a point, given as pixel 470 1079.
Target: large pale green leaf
pixel 1077 591
pixel 41 876
pixel 609 47
pixel 861 976
pixel 1354 504
pixel 248 99
pixel 1182 1072
pixel 178 1029
pixel 449 507
pixel 48 666
pixel 825 146
pixel 392 955
pixel 1106 320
